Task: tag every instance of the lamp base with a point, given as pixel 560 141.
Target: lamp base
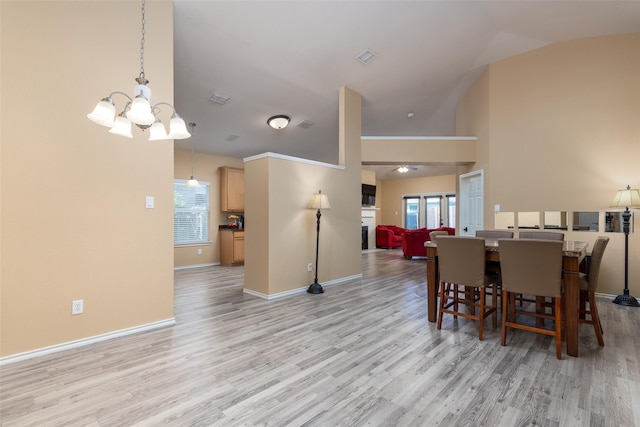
pixel 626 300
pixel 315 288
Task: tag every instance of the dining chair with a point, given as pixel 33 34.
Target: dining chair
pixel 588 287
pixel 541 235
pixel 494 266
pixel 494 234
pixel 532 267
pixel 433 234
pixel 462 271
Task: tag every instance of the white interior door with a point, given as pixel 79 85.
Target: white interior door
pixel 471 203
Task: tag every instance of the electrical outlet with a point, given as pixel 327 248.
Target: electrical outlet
pixel 309 267
pixel 77 306
pixel 199 251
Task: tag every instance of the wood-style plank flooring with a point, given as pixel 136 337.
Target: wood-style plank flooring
pixel 362 353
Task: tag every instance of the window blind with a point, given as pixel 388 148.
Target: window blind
pixel 191 213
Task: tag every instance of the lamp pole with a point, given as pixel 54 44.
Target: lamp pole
pixel 316 288
pixel 625 298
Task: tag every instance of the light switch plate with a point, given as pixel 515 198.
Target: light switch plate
pixel 149 202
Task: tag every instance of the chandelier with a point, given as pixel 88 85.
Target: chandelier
pixel 138 110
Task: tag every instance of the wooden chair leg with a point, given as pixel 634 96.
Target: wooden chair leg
pixel 442 293
pixel 558 309
pixel 595 318
pixel 505 307
pixel 455 299
pixel 483 300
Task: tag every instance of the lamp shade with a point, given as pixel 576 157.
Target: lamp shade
pixel 157 131
pixel 140 111
pixel 104 114
pixel 319 201
pixel 178 129
pixel 192 183
pixel 122 127
pixel 627 198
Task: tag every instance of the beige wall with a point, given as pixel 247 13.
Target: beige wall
pixel 73 222
pixel 395 190
pixel 558 129
pixel 280 238
pixel 206 169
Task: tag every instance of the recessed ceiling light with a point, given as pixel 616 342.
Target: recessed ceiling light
pixel 219 98
pixel 366 56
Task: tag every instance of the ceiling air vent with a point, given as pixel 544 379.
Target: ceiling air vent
pixel 219 98
pixel 305 124
pixel 366 57
pixel 232 137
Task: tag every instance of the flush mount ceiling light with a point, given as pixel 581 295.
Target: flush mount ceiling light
pixel 138 110
pixel 405 168
pixel 278 122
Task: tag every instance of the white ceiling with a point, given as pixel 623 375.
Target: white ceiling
pixel 291 57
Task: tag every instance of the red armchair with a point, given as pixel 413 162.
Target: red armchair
pixel 389 236
pixel 413 241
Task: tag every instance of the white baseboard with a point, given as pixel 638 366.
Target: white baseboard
pixel 185 267
pixel 85 341
pixel 301 290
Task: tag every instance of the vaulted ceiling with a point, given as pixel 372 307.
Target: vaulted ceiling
pixel 291 57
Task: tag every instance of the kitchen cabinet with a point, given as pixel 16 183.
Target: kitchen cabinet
pixel 231 189
pixel 231 247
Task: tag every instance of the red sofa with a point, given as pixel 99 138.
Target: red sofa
pixel 389 236
pixel 413 240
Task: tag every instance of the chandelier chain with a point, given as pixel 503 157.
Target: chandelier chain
pixel 142 44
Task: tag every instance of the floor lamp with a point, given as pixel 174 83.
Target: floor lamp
pixel 626 198
pixel 319 201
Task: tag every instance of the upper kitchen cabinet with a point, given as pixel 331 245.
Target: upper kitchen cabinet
pixel 231 189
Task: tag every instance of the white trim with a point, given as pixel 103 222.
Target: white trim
pixel 188 245
pixel 301 290
pixel 86 341
pixel 419 138
pixel 292 159
pixel 186 267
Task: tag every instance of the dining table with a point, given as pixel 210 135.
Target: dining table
pixel 574 253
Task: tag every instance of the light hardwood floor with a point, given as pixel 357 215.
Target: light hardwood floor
pixel 362 353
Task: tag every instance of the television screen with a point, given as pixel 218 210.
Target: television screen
pixel 368 195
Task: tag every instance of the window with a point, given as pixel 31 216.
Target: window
pixel 432 205
pixel 451 211
pixel 411 212
pixel 190 213
pixel 437 210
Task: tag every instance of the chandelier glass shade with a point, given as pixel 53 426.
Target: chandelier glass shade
pixel 138 110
